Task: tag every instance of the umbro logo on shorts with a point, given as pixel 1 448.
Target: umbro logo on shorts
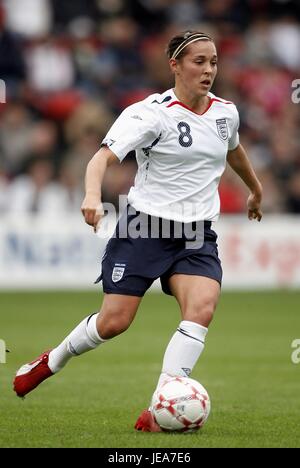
pixel 118 272
pixel 222 128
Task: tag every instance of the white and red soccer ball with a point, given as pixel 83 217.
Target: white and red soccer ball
pixel 181 404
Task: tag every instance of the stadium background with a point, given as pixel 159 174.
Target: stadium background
pixel 69 68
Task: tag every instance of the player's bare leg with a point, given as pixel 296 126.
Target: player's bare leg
pixel 116 315
pixel 197 297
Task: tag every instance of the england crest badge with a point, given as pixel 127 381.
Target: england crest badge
pixel 222 128
pixel 118 272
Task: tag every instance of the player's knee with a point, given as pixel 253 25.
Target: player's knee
pixel 201 312
pixel 113 323
pixel 112 328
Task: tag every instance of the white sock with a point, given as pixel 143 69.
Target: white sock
pixel 82 339
pixel 183 351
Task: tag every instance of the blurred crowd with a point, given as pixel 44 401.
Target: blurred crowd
pixel 71 66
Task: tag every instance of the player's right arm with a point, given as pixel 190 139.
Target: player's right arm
pixel 138 126
pixel 91 207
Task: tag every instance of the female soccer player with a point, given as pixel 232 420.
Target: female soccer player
pixel 182 140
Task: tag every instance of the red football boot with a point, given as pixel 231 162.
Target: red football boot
pixel 32 374
pixel 146 423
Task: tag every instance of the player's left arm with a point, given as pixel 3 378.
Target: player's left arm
pixel 240 163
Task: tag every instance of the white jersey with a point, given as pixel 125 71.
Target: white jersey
pixel 181 155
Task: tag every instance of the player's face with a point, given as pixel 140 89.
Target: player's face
pixel 198 68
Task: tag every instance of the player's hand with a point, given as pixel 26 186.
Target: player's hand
pixel 92 211
pixel 253 204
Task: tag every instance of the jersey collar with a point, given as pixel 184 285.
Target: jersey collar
pixel 179 103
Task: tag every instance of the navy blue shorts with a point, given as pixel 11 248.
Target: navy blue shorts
pixel 130 264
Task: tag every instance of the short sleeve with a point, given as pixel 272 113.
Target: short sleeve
pixel 138 126
pixel 234 139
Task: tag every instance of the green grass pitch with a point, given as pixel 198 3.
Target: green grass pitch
pixel 94 402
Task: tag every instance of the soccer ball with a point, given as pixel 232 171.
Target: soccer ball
pixel 181 404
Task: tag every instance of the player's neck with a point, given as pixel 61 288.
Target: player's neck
pixel 196 103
